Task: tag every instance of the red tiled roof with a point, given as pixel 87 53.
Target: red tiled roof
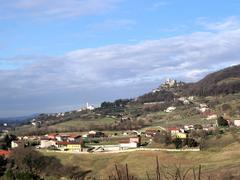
pixel 74 135
pixel 44 138
pixel 4 152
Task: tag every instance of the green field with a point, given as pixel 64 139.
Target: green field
pixel 84 123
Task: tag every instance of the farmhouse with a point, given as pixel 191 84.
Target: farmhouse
pixel 135 140
pixel 52 136
pixel 74 138
pixel 18 143
pixel 150 132
pixel 4 153
pixel 181 135
pixel 95 134
pixel 212 116
pixel 174 131
pixel 45 142
pixel 62 137
pixel 70 146
pixel 170 109
pixel 236 123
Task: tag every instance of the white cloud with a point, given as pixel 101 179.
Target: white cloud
pixel 54 8
pixel 117 70
pixel 229 23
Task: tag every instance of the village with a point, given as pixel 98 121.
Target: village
pixel 99 142
pixel 179 137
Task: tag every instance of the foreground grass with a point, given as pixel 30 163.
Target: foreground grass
pixel 222 159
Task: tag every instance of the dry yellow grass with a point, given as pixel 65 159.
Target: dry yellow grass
pixel 140 162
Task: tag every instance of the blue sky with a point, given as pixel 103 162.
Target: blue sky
pixel 56 55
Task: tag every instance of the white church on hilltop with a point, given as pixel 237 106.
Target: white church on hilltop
pixel 87 107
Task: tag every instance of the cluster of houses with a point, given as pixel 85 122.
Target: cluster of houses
pixel 71 142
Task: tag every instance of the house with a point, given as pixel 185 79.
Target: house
pixel 236 123
pixel 174 131
pixel 150 132
pixel 70 146
pixel 4 153
pixel 95 134
pixel 181 135
pixel 90 107
pixel 204 109
pixel 184 100
pixel 62 137
pixel 45 142
pixel 170 109
pixel 124 145
pixel 191 98
pixel 75 146
pixel 135 140
pixel 85 135
pixel 26 138
pixel 62 145
pixel 15 144
pixel 52 136
pixel 170 82
pixel 212 116
pixel 203 105
pixel 155 90
pixel 188 127
pixel 74 138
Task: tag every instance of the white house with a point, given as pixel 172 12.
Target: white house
pixel 170 82
pixel 203 105
pixel 237 123
pixel 45 143
pixel 155 90
pixel 212 116
pixel 90 107
pixel 203 109
pixel 170 109
pixel 127 145
pixel 184 100
pixel 14 144
pixel 191 98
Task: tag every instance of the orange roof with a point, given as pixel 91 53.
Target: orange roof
pixel 74 135
pixel 4 152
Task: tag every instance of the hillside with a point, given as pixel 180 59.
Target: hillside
pixel 225 81
pixel 217 90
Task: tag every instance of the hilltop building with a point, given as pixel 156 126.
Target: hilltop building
pixel 87 107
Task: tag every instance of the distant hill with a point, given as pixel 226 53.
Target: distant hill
pixel 225 81
pixel 18 120
pixel 123 114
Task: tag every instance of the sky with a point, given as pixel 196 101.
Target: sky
pixel 56 55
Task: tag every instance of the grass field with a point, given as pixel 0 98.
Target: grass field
pixel 82 123
pixel 224 158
